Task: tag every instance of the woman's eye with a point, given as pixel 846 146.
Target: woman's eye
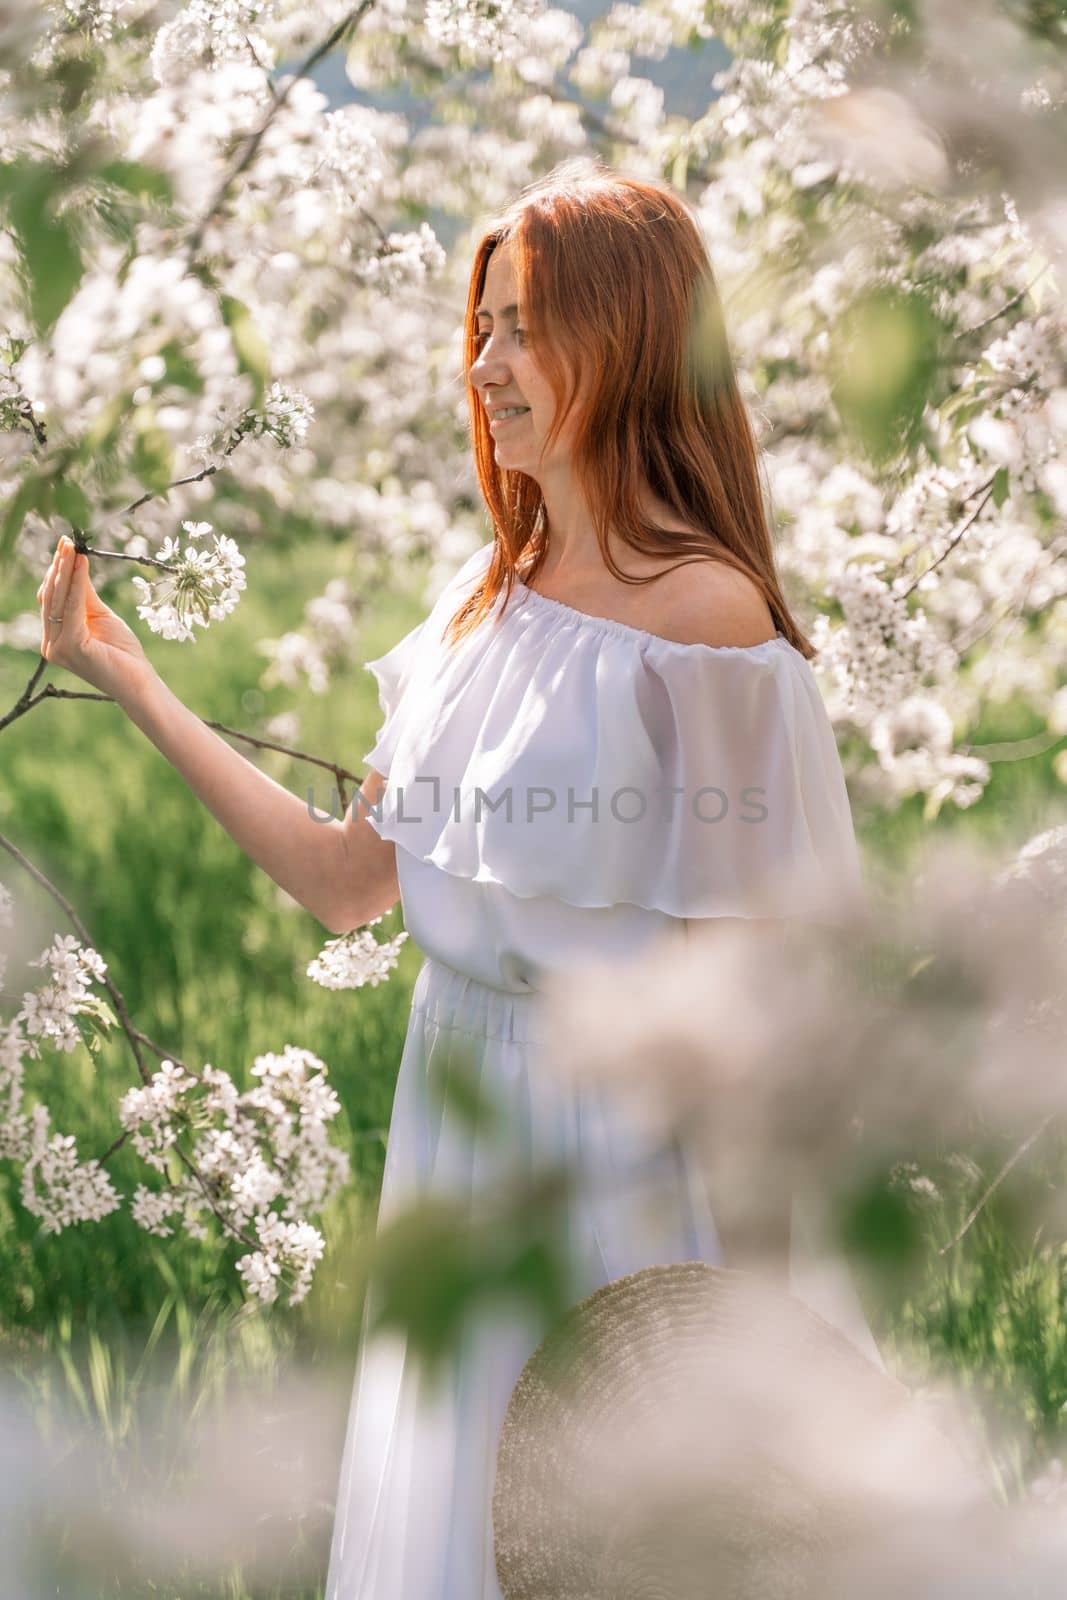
pixel 520 333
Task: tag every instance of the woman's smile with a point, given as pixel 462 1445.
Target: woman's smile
pixel 505 422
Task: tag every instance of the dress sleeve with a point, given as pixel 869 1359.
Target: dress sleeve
pixel 392 672
pixel 598 766
pixel 764 822
pixel 398 670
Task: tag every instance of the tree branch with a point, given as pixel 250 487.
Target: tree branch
pixel 248 155
pixel 83 934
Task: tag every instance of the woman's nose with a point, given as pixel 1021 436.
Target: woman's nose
pixel 488 365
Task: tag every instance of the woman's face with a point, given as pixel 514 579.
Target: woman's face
pixel 505 374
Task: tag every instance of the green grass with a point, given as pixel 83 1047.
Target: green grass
pixel 212 966
pixel 211 963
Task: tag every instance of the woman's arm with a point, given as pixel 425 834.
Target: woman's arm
pixel 341 871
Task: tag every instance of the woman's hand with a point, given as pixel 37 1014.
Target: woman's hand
pixel 88 638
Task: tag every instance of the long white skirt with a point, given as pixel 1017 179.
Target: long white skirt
pixel 414 1504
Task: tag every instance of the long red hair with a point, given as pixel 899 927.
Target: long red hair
pixel 615 281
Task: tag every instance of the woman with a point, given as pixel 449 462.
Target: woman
pixel 606 730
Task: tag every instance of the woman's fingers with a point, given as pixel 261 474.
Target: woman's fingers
pixel 44 580
pixel 63 575
pixel 55 590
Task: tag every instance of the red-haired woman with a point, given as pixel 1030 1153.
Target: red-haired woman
pixel 606 732
pixel 621 640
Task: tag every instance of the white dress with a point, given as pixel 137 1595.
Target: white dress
pixel 555 705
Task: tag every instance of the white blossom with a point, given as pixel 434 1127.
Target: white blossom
pixel 482 30
pixel 356 959
pixel 48 1013
pixel 285 1246
pixel 204 587
pixel 58 1188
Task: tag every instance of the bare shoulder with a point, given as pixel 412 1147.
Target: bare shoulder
pixel 708 602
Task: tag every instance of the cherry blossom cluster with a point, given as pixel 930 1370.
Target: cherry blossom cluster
pixel 48 1014
pixel 259 1160
pixel 493 30
pixel 55 1185
pixel 284 416
pixel 356 959
pixel 201 586
pixel 306 655
pixel 258 1163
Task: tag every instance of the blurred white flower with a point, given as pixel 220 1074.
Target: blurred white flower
pixel 881 136
pixel 483 30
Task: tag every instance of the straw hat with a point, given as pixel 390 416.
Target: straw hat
pixel 692 1432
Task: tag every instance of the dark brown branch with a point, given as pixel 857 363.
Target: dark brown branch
pixel 50 692
pixel 230 1227
pixel 122 555
pixel 179 483
pixel 26 700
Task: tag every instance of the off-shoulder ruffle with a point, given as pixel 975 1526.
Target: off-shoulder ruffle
pixel 718 784
pixel 394 669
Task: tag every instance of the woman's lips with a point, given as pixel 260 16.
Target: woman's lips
pixel 503 422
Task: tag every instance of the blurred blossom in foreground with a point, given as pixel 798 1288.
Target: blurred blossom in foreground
pixel 819 1055
pixel 836 1469
pixel 689 1419
pixel 879 135
pixel 195 1491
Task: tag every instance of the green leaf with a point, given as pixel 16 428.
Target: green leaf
pixel 1001 486
pixel 151 458
pixel 100 1014
pixel 885 360
pixel 33 494
pixel 103 431
pixel 147 183
pixel 250 347
pixel 72 502
pixel 50 253
pixel 181 371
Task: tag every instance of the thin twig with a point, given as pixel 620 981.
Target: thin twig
pixel 179 483
pixel 986 491
pixel 26 699
pixel 124 555
pixel 50 692
pixel 279 99
pixel 1008 305
pixel 1001 1175
pixel 83 934
pixel 36 426
pixel 191 1167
